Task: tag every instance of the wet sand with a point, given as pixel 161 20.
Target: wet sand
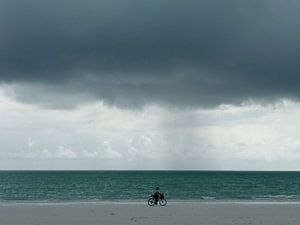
pixel 181 213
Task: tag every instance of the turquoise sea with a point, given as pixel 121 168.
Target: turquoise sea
pixel 56 186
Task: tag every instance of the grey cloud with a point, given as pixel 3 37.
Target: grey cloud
pixel 130 53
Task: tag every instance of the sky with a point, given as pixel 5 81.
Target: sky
pixel 138 84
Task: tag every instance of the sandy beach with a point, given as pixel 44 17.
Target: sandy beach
pixel 183 213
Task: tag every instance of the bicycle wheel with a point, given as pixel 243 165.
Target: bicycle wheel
pixel 163 202
pixel 151 201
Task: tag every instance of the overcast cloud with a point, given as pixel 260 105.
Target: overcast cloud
pixel 131 53
pixel 158 84
pixel 96 136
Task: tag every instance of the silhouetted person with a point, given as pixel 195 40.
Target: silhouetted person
pixel 156 195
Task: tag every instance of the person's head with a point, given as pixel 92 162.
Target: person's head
pixel 157 188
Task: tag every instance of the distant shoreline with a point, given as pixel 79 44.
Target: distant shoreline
pixel 128 170
pixel 144 202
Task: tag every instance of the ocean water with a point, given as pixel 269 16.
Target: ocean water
pixel 52 186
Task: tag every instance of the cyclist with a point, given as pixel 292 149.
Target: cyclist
pixel 157 195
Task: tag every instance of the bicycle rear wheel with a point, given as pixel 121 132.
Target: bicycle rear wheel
pixel 151 201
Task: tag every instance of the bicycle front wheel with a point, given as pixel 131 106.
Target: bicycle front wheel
pixel 162 202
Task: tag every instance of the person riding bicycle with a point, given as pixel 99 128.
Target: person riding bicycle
pixel 157 195
pixel 156 198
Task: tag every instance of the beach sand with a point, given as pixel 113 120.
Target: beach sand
pixel 181 213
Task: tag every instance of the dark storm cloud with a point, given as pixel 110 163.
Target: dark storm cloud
pixel 194 53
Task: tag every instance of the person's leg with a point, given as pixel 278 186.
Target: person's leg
pixel 156 199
